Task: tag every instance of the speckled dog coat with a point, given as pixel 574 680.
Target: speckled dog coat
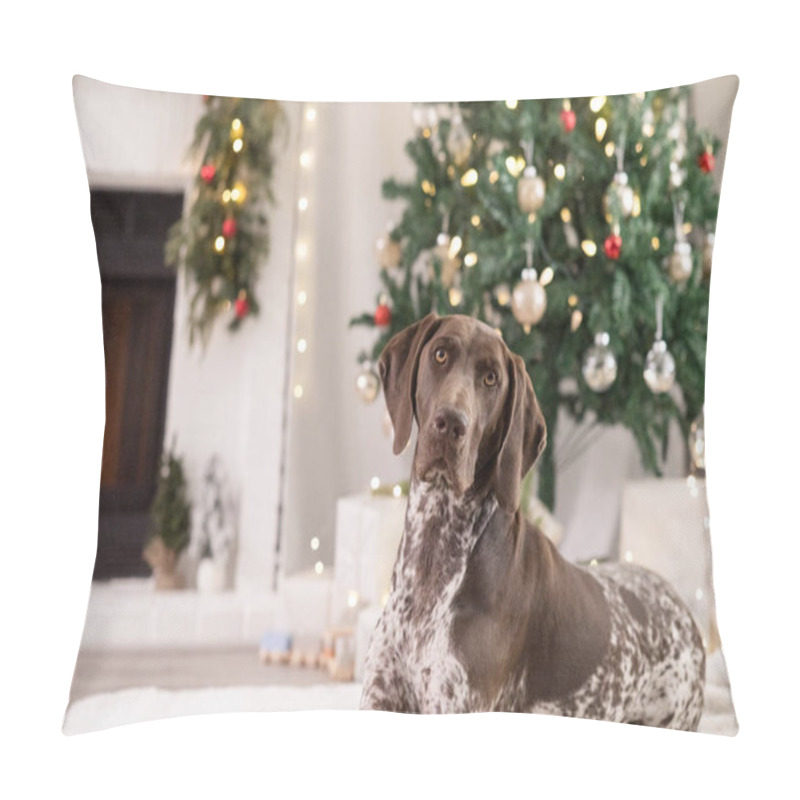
pixel 483 613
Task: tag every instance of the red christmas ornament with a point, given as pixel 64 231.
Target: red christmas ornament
pixel 706 161
pixel 568 120
pixel 383 315
pixel 208 172
pixel 613 246
pixel 241 307
pixel 229 228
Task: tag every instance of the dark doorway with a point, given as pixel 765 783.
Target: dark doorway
pixel 138 296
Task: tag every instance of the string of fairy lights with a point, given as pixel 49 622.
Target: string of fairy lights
pixel 302 372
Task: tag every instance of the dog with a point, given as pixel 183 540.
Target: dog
pixel 483 613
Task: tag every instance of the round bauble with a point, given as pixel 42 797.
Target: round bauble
pixel 530 190
pixel 387 251
pixel 659 368
pixel 679 262
pixel 599 364
pixel 528 300
pixel 383 315
pixel 619 199
pixel 368 385
pixel 459 142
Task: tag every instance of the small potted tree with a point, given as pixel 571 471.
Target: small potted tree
pixel 170 517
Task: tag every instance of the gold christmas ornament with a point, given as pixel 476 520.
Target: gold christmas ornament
pixel 599 366
pixel 708 253
pixel 697 446
pixel 387 251
pixel 368 385
pixel 530 190
pixel 528 300
pixel 459 142
pixel 446 251
pixel 679 262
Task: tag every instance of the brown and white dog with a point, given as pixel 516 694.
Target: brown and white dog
pixel 483 613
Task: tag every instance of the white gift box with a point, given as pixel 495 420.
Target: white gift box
pixel 664 526
pixel 368 533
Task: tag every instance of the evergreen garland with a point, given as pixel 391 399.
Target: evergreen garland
pixel 470 191
pixel 224 237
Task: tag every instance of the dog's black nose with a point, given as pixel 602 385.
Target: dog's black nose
pixel 450 422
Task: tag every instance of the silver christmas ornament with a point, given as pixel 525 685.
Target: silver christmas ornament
pixel 528 300
pixel 530 190
pixel 620 197
pixel 368 385
pixel 679 262
pixel 659 368
pixel 599 364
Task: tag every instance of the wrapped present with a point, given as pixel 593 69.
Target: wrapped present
pixel 368 533
pixel 664 526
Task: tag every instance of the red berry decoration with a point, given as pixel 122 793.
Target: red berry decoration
pixel 208 172
pixel 229 228
pixel 568 120
pixel 706 161
pixel 613 246
pixel 383 315
pixel 241 307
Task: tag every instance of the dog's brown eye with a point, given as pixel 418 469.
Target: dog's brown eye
pixel 440 355
pixel 490 378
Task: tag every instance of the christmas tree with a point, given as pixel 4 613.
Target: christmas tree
pixel 581 229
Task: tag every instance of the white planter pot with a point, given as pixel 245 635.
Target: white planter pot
pixel 211 575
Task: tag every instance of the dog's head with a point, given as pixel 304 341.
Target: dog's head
pixel 478 418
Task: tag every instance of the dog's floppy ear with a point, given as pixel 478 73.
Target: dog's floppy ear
pixel 398 370
pixel 524 438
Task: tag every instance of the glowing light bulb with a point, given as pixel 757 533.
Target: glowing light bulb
pixel 546 276
pixel 475 220
pixel 302 297
pixel 512 104
pixel 352 598
pixel 237 145
pixel 560 171
pixel 600 127
pixel 566 215
pixel 318 567
pixel 219 244
pixel 302 345
pixel 375 484
pixel 469 178
pixel 302 203
pixel 311 114
pixel 315 543
pixel 589 247
pixel 470 259
pixel 305 159
pixel 596 103
pixel 298 391
pixel 397 491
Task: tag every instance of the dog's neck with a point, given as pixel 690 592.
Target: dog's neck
pixel 441 529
